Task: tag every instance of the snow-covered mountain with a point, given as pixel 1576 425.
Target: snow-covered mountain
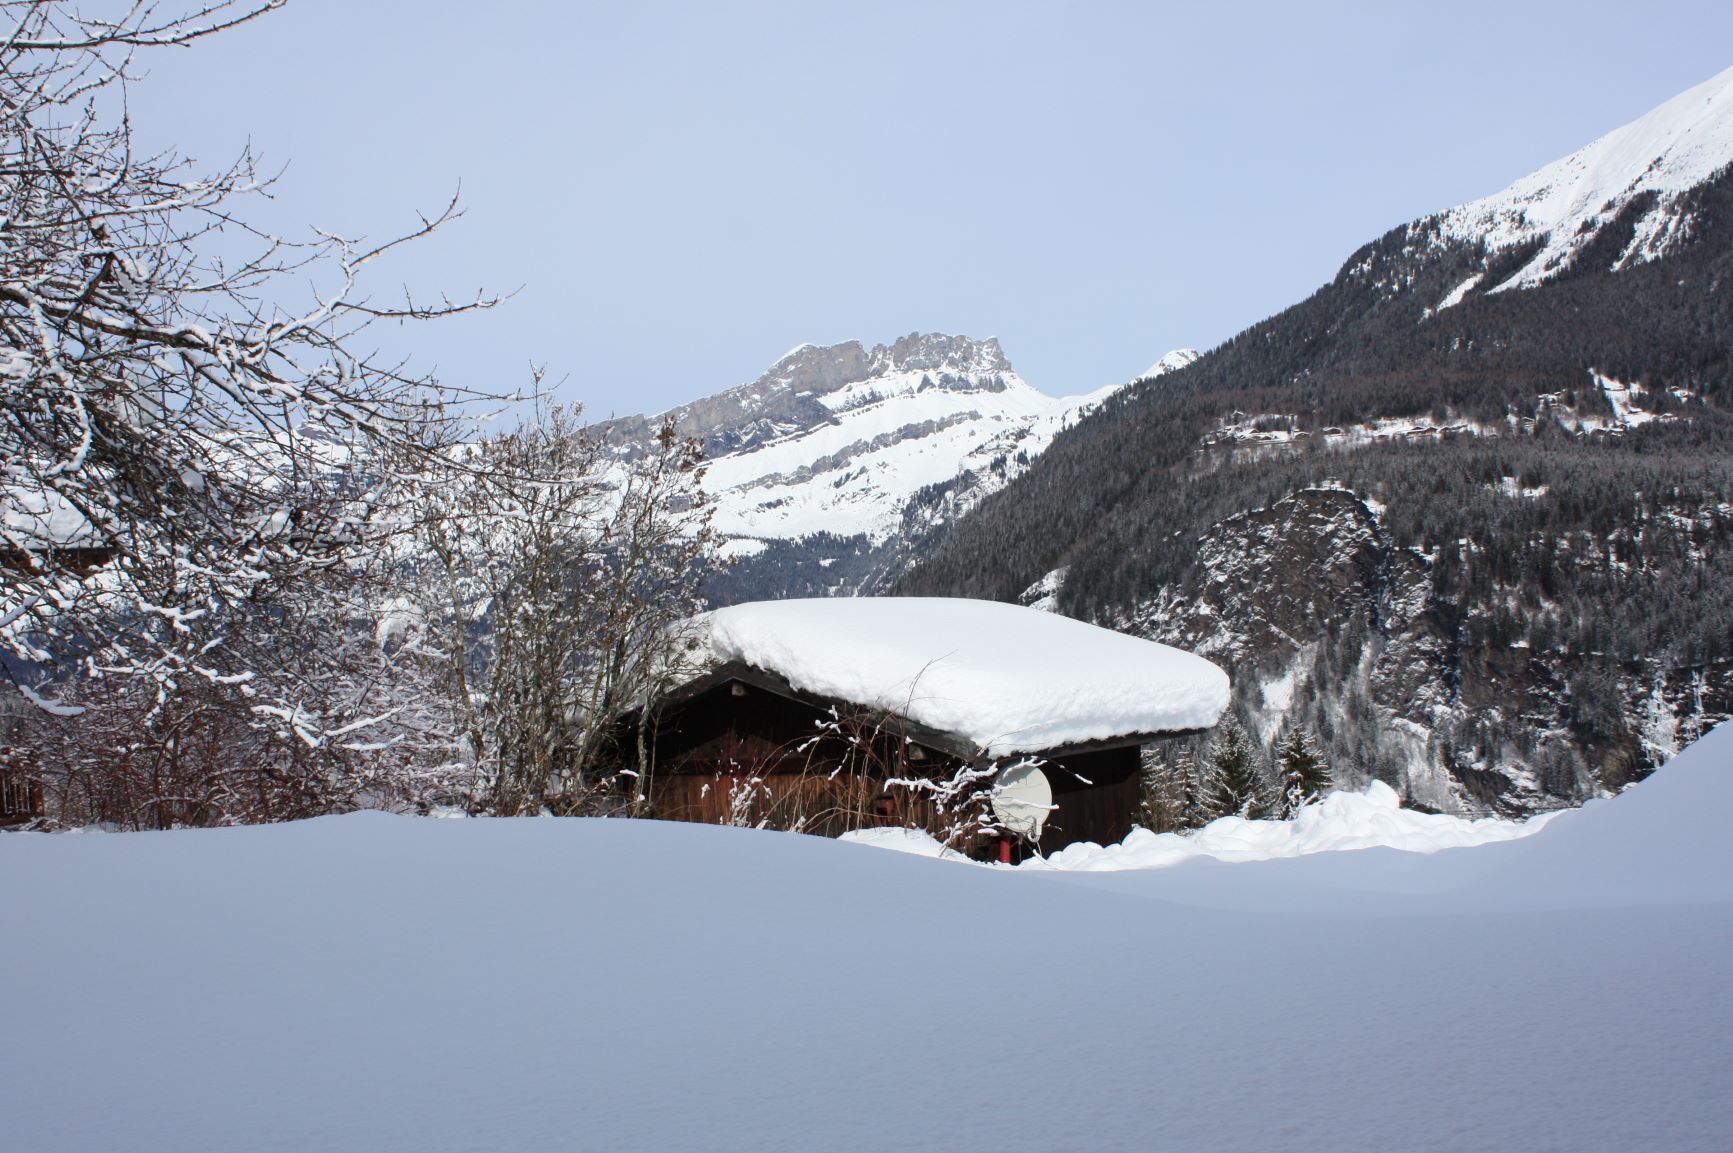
pixel 1172 362
pixel 870 449
pixel 862 432
pixel 1465 513
pixel 1641 170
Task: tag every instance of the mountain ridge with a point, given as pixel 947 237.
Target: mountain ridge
pixel 1673 148
pixel 1536 418
pixel 833 469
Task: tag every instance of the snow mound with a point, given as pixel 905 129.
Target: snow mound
pixel 392 983
pixel 1374 819
pixel 1006 678
pixel 1670 150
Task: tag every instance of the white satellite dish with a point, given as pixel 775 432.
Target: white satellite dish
pixel 1022 799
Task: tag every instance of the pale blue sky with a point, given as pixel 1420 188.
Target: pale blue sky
pixel 681 192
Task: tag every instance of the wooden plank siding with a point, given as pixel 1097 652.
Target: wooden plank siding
pixel 740 753
pixel 1095 795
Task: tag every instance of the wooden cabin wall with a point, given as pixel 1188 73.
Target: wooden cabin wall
pixel 809 802
pixel 759 759
pixel 1096 797
pixel 753 757
pixel 758 730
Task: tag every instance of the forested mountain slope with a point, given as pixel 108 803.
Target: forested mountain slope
pixel 1464 512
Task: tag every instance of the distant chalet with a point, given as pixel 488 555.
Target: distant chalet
pixel 41 530
pixel 831 715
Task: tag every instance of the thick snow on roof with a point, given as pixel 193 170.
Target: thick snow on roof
pixel 34 517
pixel 1007 678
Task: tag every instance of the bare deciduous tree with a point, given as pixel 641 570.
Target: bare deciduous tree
pixel 180 442
pixel 552 586
pixel 289 578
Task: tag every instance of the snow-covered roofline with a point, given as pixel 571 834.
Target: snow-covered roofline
pixel 1004 678
pixel 34 517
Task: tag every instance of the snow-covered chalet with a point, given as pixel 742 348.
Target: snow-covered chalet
pixel 996 727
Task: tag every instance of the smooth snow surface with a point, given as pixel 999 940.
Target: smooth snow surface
pixel 1007 678
pixel 1668 151
pixel 1373 819
pixel 386 983
pixel 917 841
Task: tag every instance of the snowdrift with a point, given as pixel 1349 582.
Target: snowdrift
pixel 383 983
pixel 1373 819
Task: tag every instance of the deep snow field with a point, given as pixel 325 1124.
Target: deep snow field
pixel 371 982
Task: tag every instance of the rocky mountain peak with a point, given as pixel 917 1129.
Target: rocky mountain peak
pixel 816 368
pixel 825 368
pixel 937 352
pixel 810 384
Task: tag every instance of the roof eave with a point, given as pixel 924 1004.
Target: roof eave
pixel 953 744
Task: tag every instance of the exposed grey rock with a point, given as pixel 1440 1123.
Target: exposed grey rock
pixel 785 399
pixel 1324 624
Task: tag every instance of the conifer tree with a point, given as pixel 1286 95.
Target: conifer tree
pixel 1170 790
pixel 1305 773
pixel 1235 787
pixel 1190 782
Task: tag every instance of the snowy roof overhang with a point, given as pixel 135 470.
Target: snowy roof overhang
pixel 971 675
pixel 38 519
